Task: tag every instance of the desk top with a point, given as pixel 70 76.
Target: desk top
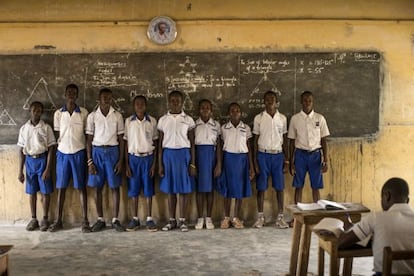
pixel 352 208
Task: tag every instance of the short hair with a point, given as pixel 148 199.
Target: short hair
pixel 72 85
pixel 306 94
pixel 205 101
pixel 142 97
pixel 36 103
pixel 270 92
pixel 105 90
pixel 398 188
pixel 176 93
pixel 233 104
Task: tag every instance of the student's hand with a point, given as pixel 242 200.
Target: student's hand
pixel 152 171
pixel 161 170
pixel 92 169
pixel 217 171
pixel 192 170
pixel 118 167
pixel 292 169
pixel 251 173
pixel 285 167
pixel 256 166
pixel 324 167
pixel 21 177
pixel 46 174
pixel 128 171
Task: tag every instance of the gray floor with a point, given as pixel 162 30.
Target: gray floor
pixel 198 252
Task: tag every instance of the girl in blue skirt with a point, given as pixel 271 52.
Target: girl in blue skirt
pixel 207 133
pixel 237 166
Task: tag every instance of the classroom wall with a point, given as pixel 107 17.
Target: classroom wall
pixel 357 167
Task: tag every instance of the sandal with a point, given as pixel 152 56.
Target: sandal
pixel 85 228
pixel 170 225
pixel 225 223
pixel 33 225
pixel 44 225
pixel 58 225
pixel 237 223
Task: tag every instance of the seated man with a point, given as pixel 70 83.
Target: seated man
pixel 394 227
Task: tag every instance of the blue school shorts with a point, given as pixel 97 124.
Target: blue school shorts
pixel 34 170
pixel 308 162
pixel 140 179
pixel 270 165
pixel 234 181
pixel 71 166
pixel 105 158
pixel 177 179
pixel 205 162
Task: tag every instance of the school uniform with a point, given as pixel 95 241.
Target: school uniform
pixel 140 136
pixel 71 154
pixel 35 141
pixel 307 130
pixel 105 146
pixel 176 153
pixel 270 155
pixel 235 180
pixel 206 134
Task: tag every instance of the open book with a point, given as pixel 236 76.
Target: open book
pixel 331 226
pixel 322 204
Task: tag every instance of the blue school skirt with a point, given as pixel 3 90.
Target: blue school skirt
pixel 205 162
pixel 234 181
pixel 177 179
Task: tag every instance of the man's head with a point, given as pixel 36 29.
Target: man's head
pixel 162 27
pixel 71 92
pixel 395 190
pixel 306 99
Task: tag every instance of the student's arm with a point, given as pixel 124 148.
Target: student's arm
pixel 91 165
pixel 127 168
pixel 324 145
pixel 50 154
pixel 219 157
pixel 347 239
pixel 291 156
pixel 255 149
pixel 160 152
pixel 21 165
pixel 251 166
pixel 285 149
pixel 191 137
pixel 119 165
pixel 154 160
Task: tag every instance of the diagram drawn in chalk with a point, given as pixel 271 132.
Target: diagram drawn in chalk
pixel 5 118
pixel 265 84
pixel 40 92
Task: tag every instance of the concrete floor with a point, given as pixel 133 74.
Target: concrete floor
pixel 197 252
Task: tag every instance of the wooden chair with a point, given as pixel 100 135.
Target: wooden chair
pixel 4 259
pixel 329 244
pixel 390 255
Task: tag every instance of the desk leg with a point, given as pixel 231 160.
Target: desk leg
pixel 297 227
pixel 347 267
pixel 321 261
pixel 304 252
pixel 334 265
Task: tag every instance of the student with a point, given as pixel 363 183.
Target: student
pixel 237 166
pixel 140 137
pixel 393 227
pixel 36 141
pixel 270 155
pixel 70 123
pixel 176 158
pixel 308 148
pixel 105 150
pixel 208 161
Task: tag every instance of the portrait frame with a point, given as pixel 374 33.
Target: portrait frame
pixel 162 30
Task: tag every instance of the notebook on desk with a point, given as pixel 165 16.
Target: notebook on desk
pixel 322 204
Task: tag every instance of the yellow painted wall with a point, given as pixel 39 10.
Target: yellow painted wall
pixel 358 167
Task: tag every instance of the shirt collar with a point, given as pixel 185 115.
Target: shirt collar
pixel 64 108
pixel 307 115
pixel 210 121
pixel 135 117
pixel 400 207
pixel 111 109
pixel 181 114
pixel 39 124
pixel 229 125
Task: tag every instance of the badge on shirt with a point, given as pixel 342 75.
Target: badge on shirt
pixel 317 124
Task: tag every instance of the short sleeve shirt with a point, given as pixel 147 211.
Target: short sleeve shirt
pixel 206 133
pixel 307 130
pixel 235 138
pixel 140 134
pixel 270 130
pixel 71 129
pixel 105 129
pixel 394 228
pixel 175 128
pixel 36 139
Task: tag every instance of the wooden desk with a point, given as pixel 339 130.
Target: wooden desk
pixel 4 259
pixel 302 230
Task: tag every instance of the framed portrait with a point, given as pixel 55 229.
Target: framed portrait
pixel 162 30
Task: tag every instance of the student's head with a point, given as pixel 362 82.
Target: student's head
pixel 105 97
pixel 234 111
pixel 71 92
pixel 270 99
pixel 395 190
pixel 205 108
pixel 306 99
pixel 175 101
pixel 36 110
pixel 140 104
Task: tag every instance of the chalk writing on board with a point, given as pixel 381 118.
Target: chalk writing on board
pixel 148 94
pixel 111 74
pixel 40 92
pixel 5 118
pixel 263 66
pixel 372 57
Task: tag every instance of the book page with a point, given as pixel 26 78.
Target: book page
pixel 310 206
pixel 331 205
pixel 332 225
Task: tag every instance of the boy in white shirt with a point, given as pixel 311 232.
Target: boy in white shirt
pixel 37 142
pixel 105 151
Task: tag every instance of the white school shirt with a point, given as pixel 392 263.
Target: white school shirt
pixel 270 130
pixel 206 133
pixel 175 128
pixel 71 129
pixel 307 130
pixel 105 129
pixel 394 228
pixel 35 139
pixel 235 138
pixel 140 134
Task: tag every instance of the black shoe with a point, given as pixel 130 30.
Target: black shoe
pixel 98 226
pixel 151 226
pixel 133 225
pixel 172 224
pixel 33 225
pixel 117 226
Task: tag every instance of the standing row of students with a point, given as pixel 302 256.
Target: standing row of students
pixel 192 156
